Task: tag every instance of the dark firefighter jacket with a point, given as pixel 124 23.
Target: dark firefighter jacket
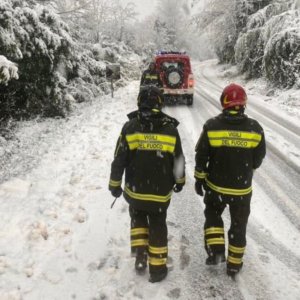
pixel 150 77
pixel 149 150
pixel 230 147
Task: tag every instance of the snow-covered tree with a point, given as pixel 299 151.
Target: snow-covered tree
pixel 40 43
pixel 270 44
pixel 282 49
pixel 171 25
pixel 249 48
pixel 225 20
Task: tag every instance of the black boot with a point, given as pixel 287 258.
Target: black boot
pixel 158 276
pixel 141 263
pixel 215 259
pixel 233 271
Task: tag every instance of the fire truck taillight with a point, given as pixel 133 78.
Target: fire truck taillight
pixel 191 81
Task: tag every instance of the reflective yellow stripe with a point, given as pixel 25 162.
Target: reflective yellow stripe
pixel 151 76
pixel 158 250
pixel 234 260
pixel 137 231
pixel 233 138
pixel 180 180
pixel 140 242
pixel 152 142
pixel 148 197
pixel 115 183
pixel 157 261
pixel 213 230
pixel 234 134
pixel 215 241
pixel 200 175
pixel 238 250
pixel 227 191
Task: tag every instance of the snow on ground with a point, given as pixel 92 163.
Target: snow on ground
pixel 60 239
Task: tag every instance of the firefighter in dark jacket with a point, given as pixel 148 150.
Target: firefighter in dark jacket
pixel 149 150
pixel 230 148
pixel 151 77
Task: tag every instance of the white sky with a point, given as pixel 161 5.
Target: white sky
pixel 143 7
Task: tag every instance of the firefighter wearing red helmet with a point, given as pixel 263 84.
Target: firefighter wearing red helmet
pixel 230 148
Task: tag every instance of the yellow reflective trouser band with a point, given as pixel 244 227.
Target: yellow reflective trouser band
pixel 158 250
pixel 115 183
pixel 215 241
pixel 237 250
pixel 180 180
pixel 233 138
pixel 213 230
pixel 200 175
pixel 234 260
pixel 151 142
pixel 227 191
pixel 148 197
pixel 137 231
pixel 139 242
pixel 157 261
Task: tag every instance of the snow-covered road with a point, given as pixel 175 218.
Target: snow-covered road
pixel 59 239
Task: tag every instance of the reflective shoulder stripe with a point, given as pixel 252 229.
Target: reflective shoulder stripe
pixel 228 191
pixel 115 183
pixel 231 138
pixel 147 197
pixel 151 142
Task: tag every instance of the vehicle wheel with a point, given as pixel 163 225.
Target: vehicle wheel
pixel 190 100
pixel 173 77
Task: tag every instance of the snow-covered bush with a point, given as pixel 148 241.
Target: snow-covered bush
pixel 270 45
pixel 260 18
pixel 249 51
pixel 249 48
pixel 282 51
pixel 8 70
pixel 41 46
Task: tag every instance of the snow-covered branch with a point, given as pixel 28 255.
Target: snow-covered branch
pixel 8 70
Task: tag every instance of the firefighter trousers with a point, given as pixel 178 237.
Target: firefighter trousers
pixel 149 235
pixel 214 236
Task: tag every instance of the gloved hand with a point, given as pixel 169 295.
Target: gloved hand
pixel 178 187
pixel 116 191
pixel 199 187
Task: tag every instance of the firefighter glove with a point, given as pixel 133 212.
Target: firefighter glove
pixel 116 191
pixel 199 187
pixel 178 187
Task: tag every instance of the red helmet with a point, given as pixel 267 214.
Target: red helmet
pixel 233 95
